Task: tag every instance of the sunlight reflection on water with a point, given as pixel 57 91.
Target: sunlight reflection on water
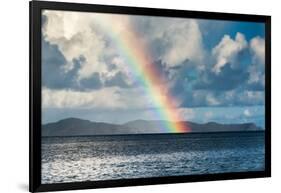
pixel 73 159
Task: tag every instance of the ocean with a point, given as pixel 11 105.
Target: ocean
pixel 94 158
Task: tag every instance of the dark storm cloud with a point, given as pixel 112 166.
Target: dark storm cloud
pixel 54 76
pixel 119 79
pixel 52 67
pixel 232 75
pixel 227 79
pixel 93 82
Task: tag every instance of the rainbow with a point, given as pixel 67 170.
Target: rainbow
pixel 140 63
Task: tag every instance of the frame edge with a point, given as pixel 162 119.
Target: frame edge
pixel 35 102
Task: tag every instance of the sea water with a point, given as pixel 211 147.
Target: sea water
pixel 94 158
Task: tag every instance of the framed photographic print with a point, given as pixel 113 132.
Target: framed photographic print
pixel 124 96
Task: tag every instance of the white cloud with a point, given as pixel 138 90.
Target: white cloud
pixel 186 43
pixel 247 113
pixel 87 34
pixel 227 50
pixel 257 46
pixel 171 40
pixel 211 100
pixel 105 98
pixel 74 37
pixel 256 75
pixel 81 34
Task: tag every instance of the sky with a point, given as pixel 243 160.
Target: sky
pixel 118 68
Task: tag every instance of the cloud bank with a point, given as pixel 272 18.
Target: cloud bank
pixel 83 66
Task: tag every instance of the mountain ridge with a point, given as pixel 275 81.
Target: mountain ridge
pixel 80 127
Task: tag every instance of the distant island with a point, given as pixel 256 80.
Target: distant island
pixel 80 127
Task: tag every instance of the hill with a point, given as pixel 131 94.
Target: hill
pixel 80 127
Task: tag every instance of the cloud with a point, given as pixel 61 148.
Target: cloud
pixel 240 97
pixel 92 82
pixel 211 100
pixel 80 58
pixel 186 43
pixel 226 51
pixel 119 79
pixel 227 79
pixel 257 77
pixel 55 76
pixel 186 113
pixel 233 76
pixel 74 99
pixel 105 98
pixel 257 46
pixel 53 62
pixel 76 34
pixel 209 87
pixel 171 40
pixel 247 113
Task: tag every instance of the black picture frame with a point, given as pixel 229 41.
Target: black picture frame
pixel 35 95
